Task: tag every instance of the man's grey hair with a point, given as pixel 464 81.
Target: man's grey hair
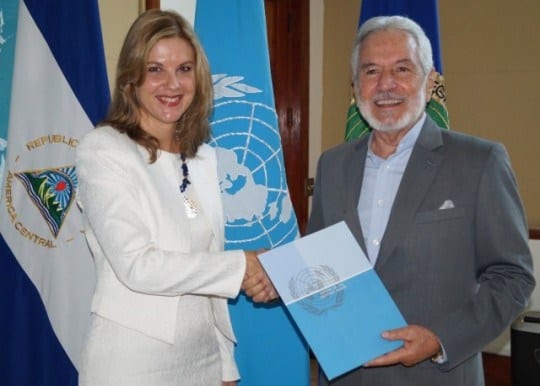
pixel 379 23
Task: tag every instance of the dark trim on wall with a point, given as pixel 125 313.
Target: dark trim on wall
pixel 152 4
pixel 534 234
pixel 497 370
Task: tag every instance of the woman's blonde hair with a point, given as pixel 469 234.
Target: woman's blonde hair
pixel 193 128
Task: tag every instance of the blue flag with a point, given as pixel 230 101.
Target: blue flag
pixel 256 201
pixel 426 14
pixel 8 28
pixel 257 206
pixel 58 92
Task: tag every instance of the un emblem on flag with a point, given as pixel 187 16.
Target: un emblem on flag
pixel 257 205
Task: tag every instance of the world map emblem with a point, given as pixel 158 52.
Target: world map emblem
pixel 52 191
pixel 317 289
pixel 251 170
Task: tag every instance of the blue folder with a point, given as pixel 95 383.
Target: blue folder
pixel 335 297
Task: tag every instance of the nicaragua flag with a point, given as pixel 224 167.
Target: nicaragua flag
pixel 59 91
pixel 426 14
pixel 257 205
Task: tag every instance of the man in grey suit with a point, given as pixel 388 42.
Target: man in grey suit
pixel 437 212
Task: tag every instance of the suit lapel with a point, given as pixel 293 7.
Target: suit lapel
pixel 353 176
pixel 418 176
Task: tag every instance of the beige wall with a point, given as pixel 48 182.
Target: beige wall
pixel 491 61
pixel 491 56
pixel 116 17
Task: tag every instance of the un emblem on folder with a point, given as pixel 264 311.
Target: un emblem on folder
pixel 317 289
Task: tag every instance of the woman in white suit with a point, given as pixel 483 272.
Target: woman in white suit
pixel 150 196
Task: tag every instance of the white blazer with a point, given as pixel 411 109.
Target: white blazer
pixel 140 241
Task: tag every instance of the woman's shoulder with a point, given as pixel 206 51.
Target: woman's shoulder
pixel 206 152
pixel 108 143
pixel 104 137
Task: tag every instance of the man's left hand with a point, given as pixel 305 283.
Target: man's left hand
pixel 419 343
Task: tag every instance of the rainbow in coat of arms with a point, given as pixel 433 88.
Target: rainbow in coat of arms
pixel 52 191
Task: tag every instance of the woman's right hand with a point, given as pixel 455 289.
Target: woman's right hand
pixel 256 283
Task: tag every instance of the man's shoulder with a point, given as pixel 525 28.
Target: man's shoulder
pixel 345 148
pixel 469 142
pixel 471 150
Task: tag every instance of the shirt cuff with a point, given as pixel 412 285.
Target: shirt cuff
pixel 440 357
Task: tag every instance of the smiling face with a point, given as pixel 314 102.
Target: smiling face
pixel 168 88
pixel 392 88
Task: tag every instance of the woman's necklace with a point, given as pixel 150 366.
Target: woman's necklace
pixel 189 205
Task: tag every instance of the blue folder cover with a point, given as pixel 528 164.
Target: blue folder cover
pixel 335 297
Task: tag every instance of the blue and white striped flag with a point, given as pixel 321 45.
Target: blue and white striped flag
pixel 58 92
pixel 256 201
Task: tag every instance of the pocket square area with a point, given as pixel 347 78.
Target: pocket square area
pixel 447 204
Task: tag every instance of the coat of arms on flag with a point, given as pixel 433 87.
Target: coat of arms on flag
pixel 52 192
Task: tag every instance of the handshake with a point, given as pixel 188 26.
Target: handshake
pixel 256 283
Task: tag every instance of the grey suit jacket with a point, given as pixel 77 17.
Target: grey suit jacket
pixel 463 272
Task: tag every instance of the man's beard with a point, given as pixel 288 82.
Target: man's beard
pixel 407 119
